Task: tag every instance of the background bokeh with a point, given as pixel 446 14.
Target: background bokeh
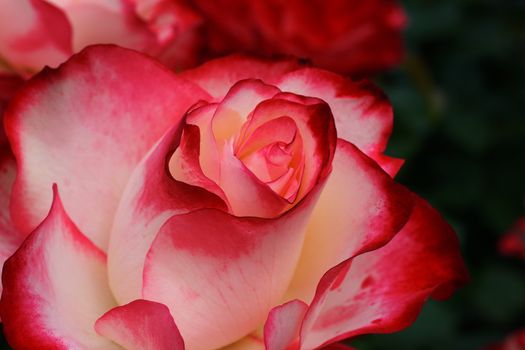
pixel 460 124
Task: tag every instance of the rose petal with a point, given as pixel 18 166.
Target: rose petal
pixel 207 265
pixel 116 23
pixel 151 197
pixel 40 35
pixel 250 342
pixel 184 165
pixel 55 288
pixel 102 111
pixel 237 105
pixel 382 291
pixel 141 325
pixel 218 76
pixel 282 327
pixel 247 195
pixel 363 115
pixel 360 208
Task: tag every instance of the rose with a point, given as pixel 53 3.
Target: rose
pixel 346 36
pixel 242 203
pixel 36 33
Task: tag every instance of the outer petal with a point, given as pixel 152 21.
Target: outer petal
pixel 151 197
pixel 361 208
pixel 116 23
pixel 40 35
pixel 382 291
pixel 209 265
pixel 363 115
pixel 217 76
pixel 102 111
pixel 281 330
pixel 55 288
pixel 141 325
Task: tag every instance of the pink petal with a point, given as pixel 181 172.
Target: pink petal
pixel 247 195
pixel 360 208
pixel 40 35
pixel 250 342
pixel 151 197
pixel 184 165
pixel 382 291
pixel 209 265
pixel 116 23
pixel 141 325
pixel 55 288
pixel 218 76
pixel 362 113
pixel 237 105
pixel 281 330
pixel 102 111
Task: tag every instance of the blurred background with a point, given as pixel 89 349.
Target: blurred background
pixel 460 123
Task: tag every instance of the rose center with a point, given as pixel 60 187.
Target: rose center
pixel 273 153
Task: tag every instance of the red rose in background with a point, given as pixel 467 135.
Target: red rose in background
pixel 513 245
pixel 515 341
pixel 347 36
pixel 38 33
pixel 513 242
pixel 244 204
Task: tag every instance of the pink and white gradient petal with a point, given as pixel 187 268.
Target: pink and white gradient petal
pixel 382 291
pixel 116 23
pixel 94 136
pixel 363 115
pixel 141 325
pixel 40 35
pixel 281 330
pixel 218 76
pixel 361 208
pixel 55 288
pixel 151 197
pixel 208 264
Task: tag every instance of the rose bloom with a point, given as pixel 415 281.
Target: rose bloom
pixel 245 204
pixel 36 33
pixel 347 36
